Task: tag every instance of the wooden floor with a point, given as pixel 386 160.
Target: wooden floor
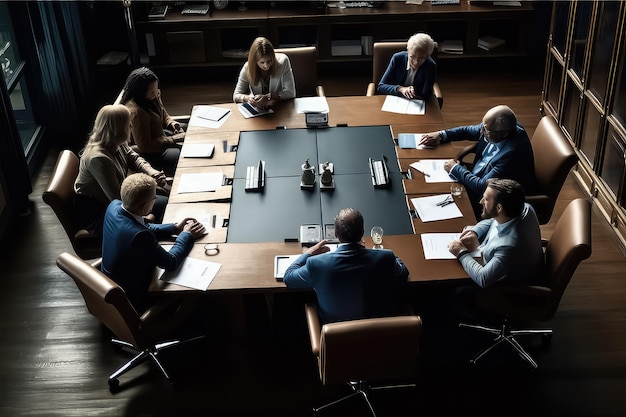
pixel 55 358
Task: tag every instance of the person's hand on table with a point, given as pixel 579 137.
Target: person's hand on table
pixel 318 248
pixel 469 239
pixel 260 101
pixel 430 139
pixel 449 164
pixel 179 137
pixel 407 92
pixel 456 247
pixel 192 226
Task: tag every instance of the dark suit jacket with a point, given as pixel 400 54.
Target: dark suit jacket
pixel 352 282
pixel 396 73
pixel 514 161
pixel 131 251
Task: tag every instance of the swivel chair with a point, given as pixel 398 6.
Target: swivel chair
pixel 554 157
pixel 59 195
pixel 107 302
pixel 568 246
pixel 359 351
pixel 382 53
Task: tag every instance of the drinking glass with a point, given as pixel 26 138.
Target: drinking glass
pixel 377 237
pixel 456 189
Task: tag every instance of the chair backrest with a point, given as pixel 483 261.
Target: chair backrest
pixel 104 299
pixel 554 158
pixel 370 349
pixel 381 55
pixel 304 65
pixel 59 195
pixel 568 246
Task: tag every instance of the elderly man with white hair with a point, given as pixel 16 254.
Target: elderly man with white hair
pixel 411 73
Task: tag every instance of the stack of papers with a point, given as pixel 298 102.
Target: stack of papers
pixel 428 210
pixel 489 42
pixel 395 104
pixel 433 170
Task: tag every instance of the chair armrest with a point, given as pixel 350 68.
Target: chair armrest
pixel 466 151
pixel 438 94
pixel 538 199
pixel 96 264
pixel 371 90
pixel 315 329
pixel 319 90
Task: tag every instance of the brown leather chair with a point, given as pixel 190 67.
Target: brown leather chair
pixel 359 351
pixel 382 53
pixel 304 66
pixel 554 158
pixel 107 302
pixel 59 195
pixel 568 246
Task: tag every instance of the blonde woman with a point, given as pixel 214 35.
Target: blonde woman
pixel 266 78
pixel 105 162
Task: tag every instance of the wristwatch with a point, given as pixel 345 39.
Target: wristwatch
pixel 463 252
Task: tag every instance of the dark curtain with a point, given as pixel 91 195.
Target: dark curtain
pixel 63 69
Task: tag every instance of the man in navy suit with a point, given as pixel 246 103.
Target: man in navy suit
pixel 352 282
pixel 130 247
pixel 411 73
pixel 503 151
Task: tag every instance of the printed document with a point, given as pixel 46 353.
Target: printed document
pixel 395 104
pixel 429 208
pixel 192 273
pixel 433 170
pixel 209 116
pixel 436 245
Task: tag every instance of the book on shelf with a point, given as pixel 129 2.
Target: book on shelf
pixel 489 42
pixel 451 47
pixel 158 12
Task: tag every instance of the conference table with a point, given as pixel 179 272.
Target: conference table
pixel 237 216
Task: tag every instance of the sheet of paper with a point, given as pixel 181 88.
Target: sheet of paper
pixel 411 141
pixel 193 273
pixel 434 169
pixel 248 111
pixel 282 262
pixel 200 182
pixel 436 245
pixel 196 118
pixel 213 113
pixel 311 105
pixel 395 104
pixel 197 150
pixel 428 210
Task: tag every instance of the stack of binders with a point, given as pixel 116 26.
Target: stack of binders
pixel 489 42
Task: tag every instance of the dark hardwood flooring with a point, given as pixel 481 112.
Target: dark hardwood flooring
pixel 55 358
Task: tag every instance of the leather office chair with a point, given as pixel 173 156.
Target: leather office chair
pixel 59 195
pixel 304 66
pixel 568 246
pixel 554 158
pixel 107 302
pixel 382 53
pixel 359 351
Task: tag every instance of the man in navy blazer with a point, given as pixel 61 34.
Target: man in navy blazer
pixel 352 282
pixel 130 248
pixel 503 151
pixel 411 73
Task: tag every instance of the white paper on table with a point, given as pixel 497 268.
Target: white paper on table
pixel 197 118
pixel 282 262
pixel 200 182
pixel 311 105
pixel 197 150
pixel 436 245
pixel 428 210
pixel 435 170
pixel 395 104
pixel 192 273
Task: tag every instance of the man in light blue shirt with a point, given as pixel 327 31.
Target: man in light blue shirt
pixel 508 237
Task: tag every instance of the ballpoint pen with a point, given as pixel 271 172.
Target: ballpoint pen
pixel 426 174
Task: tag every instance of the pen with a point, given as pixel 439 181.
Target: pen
pixel 426 174
pixel 446 203
pixel 205 269
pixel 224 115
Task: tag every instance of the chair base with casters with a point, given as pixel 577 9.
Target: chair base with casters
pixel 505 334
pixel 140 357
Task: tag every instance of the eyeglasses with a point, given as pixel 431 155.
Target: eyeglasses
pixel 211 249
